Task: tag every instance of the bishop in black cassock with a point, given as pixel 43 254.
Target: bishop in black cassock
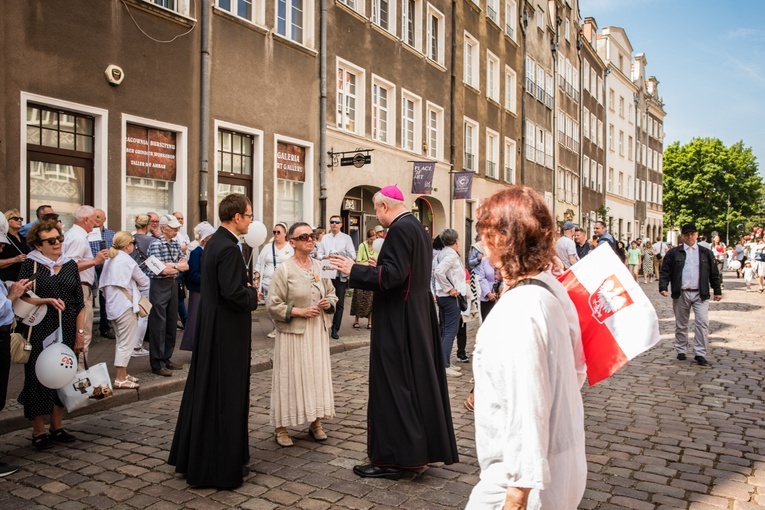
pixel 408 415
pixel 211 442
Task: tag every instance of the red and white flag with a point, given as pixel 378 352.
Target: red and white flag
pixel 617 319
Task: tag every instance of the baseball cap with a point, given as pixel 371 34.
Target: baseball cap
pixel 379 228
pixel 688 228
pixel 169 220
pixel 205 230
pixel 569 225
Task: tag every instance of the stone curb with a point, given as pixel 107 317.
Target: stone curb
pixel 11 421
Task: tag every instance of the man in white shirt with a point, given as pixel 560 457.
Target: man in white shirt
pixel 565 247
pixel 342 244
pixel 660 248
pixel 77 248
pixel 183 239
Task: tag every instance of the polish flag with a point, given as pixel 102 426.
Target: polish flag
pixel 617 319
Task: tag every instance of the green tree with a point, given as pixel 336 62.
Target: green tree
pixel 700 178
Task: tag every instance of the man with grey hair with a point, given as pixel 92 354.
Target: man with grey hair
pixel 409 422
pixel 77 248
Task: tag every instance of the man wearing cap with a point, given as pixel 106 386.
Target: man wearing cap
pixel 163 294
pixel 77 248
pixel 342 244
pixel 409 422
pixel 7 297
pixel 691 270
pixel 565 247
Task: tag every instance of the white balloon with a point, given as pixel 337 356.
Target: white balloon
pixel 256 235
pixel 377 245
pixel 56 366
pixel 735 265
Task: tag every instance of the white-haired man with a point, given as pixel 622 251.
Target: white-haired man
pixel 77 248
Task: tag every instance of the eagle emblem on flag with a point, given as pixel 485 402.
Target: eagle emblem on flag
pixel 610 297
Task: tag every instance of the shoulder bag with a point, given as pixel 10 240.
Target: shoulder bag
pixel 144 305
pixel 21 347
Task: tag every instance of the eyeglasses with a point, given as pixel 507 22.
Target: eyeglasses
pixel 335 222
pixel 278 232
pixel 53 240
pixel 304 237
pixel 251 216
pixel 16 218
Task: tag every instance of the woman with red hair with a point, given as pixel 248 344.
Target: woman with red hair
pixel 528 367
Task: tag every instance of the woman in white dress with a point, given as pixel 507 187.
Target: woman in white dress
pixel 272 254
pixel 528 366
pixel 302 304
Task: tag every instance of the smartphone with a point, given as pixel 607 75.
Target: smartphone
pixel 102 245
pixel 32 278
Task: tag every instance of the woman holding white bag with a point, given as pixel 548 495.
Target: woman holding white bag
pixel 122 282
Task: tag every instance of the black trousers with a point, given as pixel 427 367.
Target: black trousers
pixel 5 363
pixel 462 339
pixel 486 307
pixel 340 288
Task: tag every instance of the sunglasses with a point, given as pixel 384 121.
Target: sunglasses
pixel 16 218
pixel 278 232
pixel 304 237
pixel 53 240
pixel 335 222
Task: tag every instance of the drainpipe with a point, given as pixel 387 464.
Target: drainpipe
pixel 581 138
pixel 204 110
pixel 323 113
pixel 523 15
pixel 554 49
pixel 452 110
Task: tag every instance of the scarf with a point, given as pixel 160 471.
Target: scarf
pixel 41 259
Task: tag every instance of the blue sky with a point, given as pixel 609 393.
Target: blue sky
pixel 709 58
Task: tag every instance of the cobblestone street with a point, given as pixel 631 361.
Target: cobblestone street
pixel 660 434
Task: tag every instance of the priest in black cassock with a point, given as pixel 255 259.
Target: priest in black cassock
pixel 409 421
pixel 210 444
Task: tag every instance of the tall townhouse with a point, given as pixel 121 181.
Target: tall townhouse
pixel 591 121
pixel 615 50
pixel 538 103
pixel 159 105
pixel 567 104
pixel 389 72
pixel 487 122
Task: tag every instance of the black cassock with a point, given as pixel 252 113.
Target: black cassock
pixel 408 417
pixel 210 443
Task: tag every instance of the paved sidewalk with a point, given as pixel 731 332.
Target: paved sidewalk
pixel 661 434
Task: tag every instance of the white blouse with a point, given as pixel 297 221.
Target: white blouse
pixel 265 266
pixel 122 272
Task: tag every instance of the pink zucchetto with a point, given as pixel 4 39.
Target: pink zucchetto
pixel 392 192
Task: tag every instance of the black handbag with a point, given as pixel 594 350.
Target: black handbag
pixel 462 302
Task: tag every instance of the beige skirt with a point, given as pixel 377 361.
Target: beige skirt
pixel 301 385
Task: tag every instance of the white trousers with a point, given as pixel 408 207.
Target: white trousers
pixel 125 327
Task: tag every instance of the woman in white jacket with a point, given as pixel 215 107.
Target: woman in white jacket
pixel 449 282
pixel 121 282
pixel 272 254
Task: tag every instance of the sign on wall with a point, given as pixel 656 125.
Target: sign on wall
pixel 290 162
pixel 150 153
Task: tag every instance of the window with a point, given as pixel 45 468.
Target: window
pixel 511 89
pixel 540 18
pixel 548 90
pixel 492 76
pixel 561 127
pixel 600 134
pixel 621 106
pixel 471 61
pixel 470 129
pixel 530 70
pixel 350 3
pixel 411 29
pixel 548 149
pixel 510 19
pixel 350 101
pixel 569 77
pixel 611 137
pixel 411 122
pixel 600 178
pixel 586 75
pixel 510 160
pixel 561 184
pixel 435 35
pixel 621 142
pixel 540 159
pixel 492 10
pixel 294 22
pixel 179 6
pixel 575 133
pixel 384 14
pixel 531 131
pixel 575 82
pixel 585 170
pixel 293 180
pixel 600 90
pixel 540 84
pixel 611 180
pixel 435 120
pixel 629 148
pixel 492 153
pixel 567 30
pixel 611 99
pixel 629 116
pixel 569 133
pixel 383 117
pixel 620 189
pixel 593 129
pixel 594 175
pixel 585 123
pixel 240 8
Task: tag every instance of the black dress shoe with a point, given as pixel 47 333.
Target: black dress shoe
pixel 335 335
pixel 109 335
pixel 701 360
pixel 681 357
pixel 372 471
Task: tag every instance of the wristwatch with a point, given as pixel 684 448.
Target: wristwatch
pixel 175 266
pixel 81 331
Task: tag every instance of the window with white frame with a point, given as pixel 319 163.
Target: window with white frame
pixel 629 147
pixel 621 106
pixel 295 21
pixel 593 129
pixel 585 171
pixel 492 154
pixel 492 10
pixel 435 35
pixel 561 184
pixel 569 69
pixel 540 83
pixel 575 134
pixel 561 127
pixel 548 149
pixel 353 4
pixel 531 132
pixel 179 6
pixel 611 180
pixel 621 142
pixel 511 89
pixel 383 115
pixel 600 134
pixel 350 98
pixel 611 137
pixel 411 121
pixel 569 186
pixel 472 47
pixel 629 115
pixel 548 90
pixel 600 90
pixel 510 160
pixel 600 178
pixel 594 175
pixel 411 26
pixel 384 14
pixel 241 9
pixel 540 159
pixel 470 142
pixel 575 82
pixel 541 25
pixel 530 70
pixel 611 99
pixel 585 123
pixel 492 76
pixel 435 128
pixel 620 188
pixel 511 14
pixel 586 75
pixel 574 189
pixel 569 133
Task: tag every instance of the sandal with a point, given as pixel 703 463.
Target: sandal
pixel 356 325
pixel 42 442
pixel 283 437
pixel 131 378
pixel 317 432
pixel 61 436
pixel 127 384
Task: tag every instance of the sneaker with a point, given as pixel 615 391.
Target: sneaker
pixel 463 359
pixel 455 367
pixel 137 353
pixel 7 469
pixel 272 334
pixel 451 372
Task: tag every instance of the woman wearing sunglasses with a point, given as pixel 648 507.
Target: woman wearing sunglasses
pixel 58 286
pixel 301 303
pixel 271 255
pixel 16 251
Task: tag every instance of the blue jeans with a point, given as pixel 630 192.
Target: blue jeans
pixel 450 317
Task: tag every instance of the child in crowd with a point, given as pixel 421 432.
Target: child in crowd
pixel 748 275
